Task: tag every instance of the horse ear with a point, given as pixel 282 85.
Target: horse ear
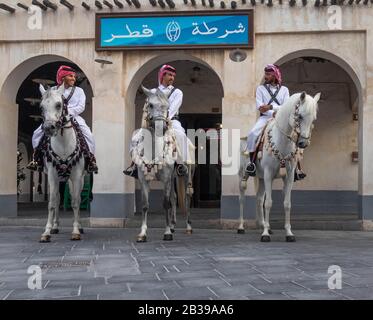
pixel 42 89
pixel 317 97
pixel 146 91
pixel 303 96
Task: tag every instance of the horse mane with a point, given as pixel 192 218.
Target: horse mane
pixel 162 97
pixel 308 107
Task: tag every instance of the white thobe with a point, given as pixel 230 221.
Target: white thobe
pixel 76 106
pixel 262 98
pixel 185 146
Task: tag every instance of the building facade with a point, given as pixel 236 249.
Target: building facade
pixel 314 54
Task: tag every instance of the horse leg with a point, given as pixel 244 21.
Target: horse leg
pixel 173 206
pixel 76 186
pixel 52 205
pixel 260 197
pixel 145 189
pixel 188 185
pixel 56 218
pixel 288 185
pixel 167 208
pixel 268 205
pixel 242 187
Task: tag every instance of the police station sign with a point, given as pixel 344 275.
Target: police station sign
pixel 185 30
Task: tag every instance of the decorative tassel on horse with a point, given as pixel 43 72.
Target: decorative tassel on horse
pixel 282 168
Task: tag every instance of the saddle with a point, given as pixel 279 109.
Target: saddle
pixel 259 144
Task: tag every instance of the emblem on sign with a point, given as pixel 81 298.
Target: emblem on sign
pixel 173 31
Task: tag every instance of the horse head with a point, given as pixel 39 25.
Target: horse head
pixel 52 107
pixel 156 107
pixel 304 116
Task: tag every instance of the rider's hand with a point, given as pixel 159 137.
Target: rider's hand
pixel 264 108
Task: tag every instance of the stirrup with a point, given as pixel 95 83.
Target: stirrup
pixel 92 168
pixel 131 171
pixel 33 166
pixel 252 170
pixel 181 170
pixel 299 175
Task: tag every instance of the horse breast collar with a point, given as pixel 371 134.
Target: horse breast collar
pixel 64 167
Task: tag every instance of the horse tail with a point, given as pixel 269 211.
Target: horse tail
pixel 181 196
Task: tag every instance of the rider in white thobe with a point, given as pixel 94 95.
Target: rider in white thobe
pixel 75 107
pixel 269 98
pixel 66 76
pixel 175 98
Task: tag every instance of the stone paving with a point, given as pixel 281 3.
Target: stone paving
pixel 209 265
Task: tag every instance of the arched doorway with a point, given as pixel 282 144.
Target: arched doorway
pixel 201 109
pixel 330 190
pixel 20 104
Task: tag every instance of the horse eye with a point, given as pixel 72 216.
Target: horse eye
pixel 150 105
pixel 58 106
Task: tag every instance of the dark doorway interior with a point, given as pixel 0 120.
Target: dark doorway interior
pixel 207 178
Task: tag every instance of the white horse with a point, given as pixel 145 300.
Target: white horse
pixel 63 159
pixel 284 135
pixel 157 134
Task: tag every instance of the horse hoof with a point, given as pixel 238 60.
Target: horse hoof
pixel 75 237
pixel 45 239
pixel 290 239
pixel 167 237
pixel 141 239
pixel 270 231
pixel 81 230
pixel 241 231
pixel 189 231
pixel 265 239
pixel 55 231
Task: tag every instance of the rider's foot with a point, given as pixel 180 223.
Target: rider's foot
pixel 92 167
pixel 250 169
pixel 131 171
pixel 299 175
pixel 181 169
pixel 33 165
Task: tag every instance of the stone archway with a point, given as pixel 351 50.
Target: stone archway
pixel 9 127
pixel 147 74
pixel 342 99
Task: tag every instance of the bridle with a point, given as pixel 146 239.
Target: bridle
pixel 295 134
pixel 149 118
pixel 64 119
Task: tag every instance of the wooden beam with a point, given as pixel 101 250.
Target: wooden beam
pixel 118 4
pixel 39 4
pixel 50 5
pixel 21 5
pixel 171 4
pixel 67 4
pixel 136 3
pixel 86 6
pixel 108 4
pixel 7 8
